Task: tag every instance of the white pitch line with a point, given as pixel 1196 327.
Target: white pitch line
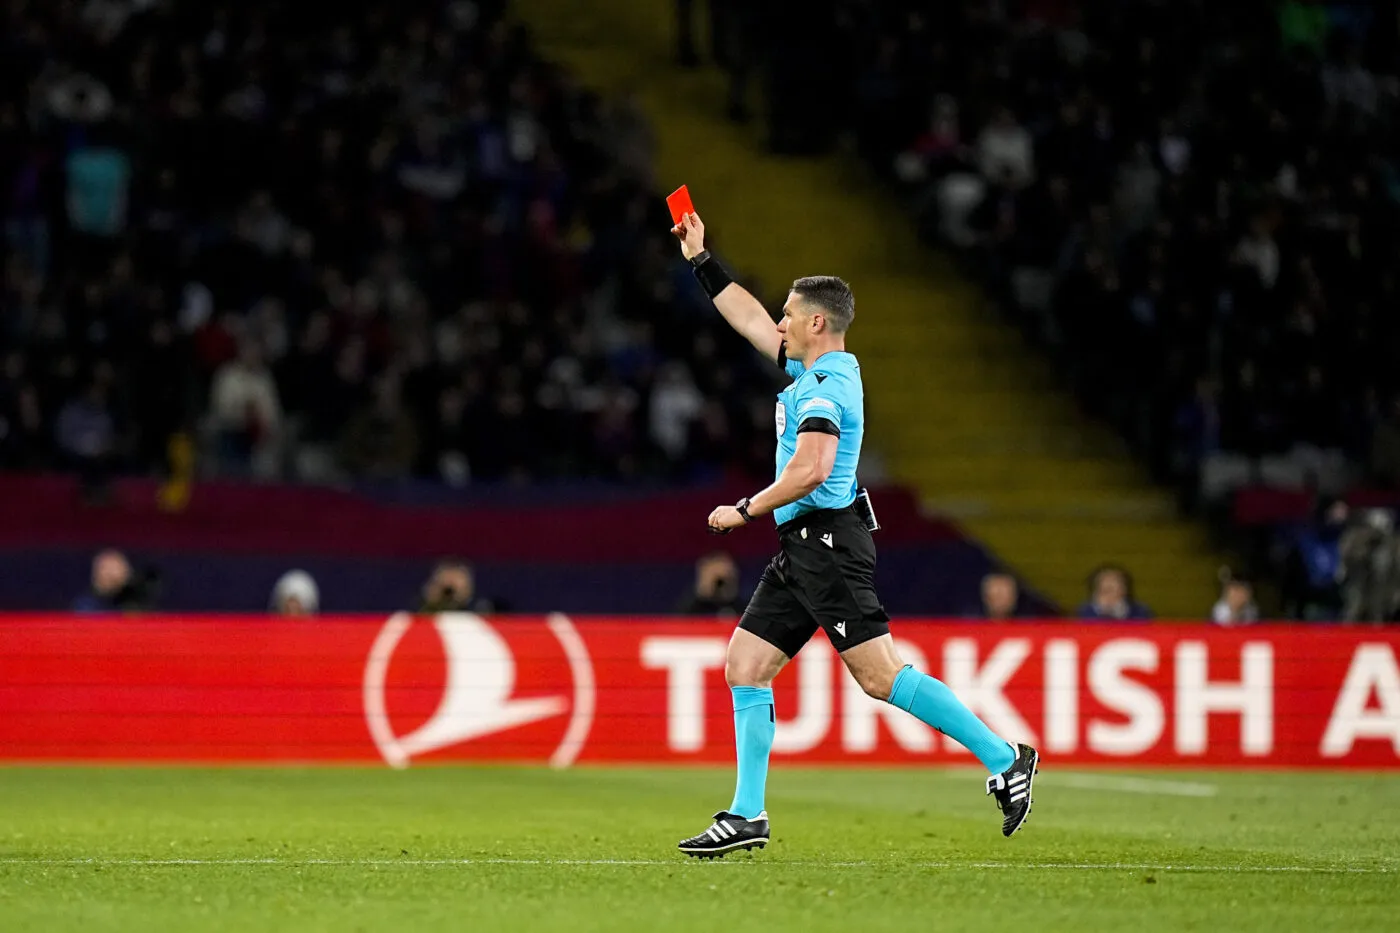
pixel 988 866
pixel 1130 785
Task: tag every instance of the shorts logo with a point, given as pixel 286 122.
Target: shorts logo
pixel 826 539
pixel 840 629
pixel 780 417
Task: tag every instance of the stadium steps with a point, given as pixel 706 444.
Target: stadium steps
pixel 958 407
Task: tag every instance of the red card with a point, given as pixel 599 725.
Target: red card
pixel 679 203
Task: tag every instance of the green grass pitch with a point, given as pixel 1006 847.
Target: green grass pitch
pixel 496 848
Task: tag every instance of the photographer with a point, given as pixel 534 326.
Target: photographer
pixel 1312 569
pixel 1111 597
pixel 115 587
pixel 1371 568
pixel 1236 605
pixel 452 588
pixel 716 589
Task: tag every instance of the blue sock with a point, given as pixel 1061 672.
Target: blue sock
pixel 754 726
pixel 931 701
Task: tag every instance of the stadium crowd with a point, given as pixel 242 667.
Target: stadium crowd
pixel 1193 206
pixel 362 240
pixel 373 241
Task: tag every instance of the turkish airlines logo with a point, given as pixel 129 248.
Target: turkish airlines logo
pixel 478 690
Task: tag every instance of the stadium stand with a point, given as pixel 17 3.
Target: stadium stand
pixel 957 406
pixel 401 244
pixel 394 250
pixel 1192 207
pixel 392 243
pixel 1202 228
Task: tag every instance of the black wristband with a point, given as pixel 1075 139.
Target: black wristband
pixel 712 276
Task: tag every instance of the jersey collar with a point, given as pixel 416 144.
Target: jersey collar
pixel 808 366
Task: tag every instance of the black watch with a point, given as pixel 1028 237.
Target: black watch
pixel 742 506
pixel 699 258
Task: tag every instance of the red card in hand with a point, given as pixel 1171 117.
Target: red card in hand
pixel 679 203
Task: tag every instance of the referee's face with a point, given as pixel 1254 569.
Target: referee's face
pixel 796 327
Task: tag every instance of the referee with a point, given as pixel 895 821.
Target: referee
pixel 823 574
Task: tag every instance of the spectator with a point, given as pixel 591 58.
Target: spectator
pixel 86 435
pixel 295 594
pixel 1303 25
pixel 1001 597
pixel 381 440
pixel 675 404
pixel 1005 151
pixel 1197 433
pixel 448 439
pixel 939 149
pixel 1111 597
pixel 716 590
pixel 98 177
pixel 1370 552
pixel 1236 604
pixel 1313 566
pixel 115 587
pixel 22 440
pixel 245 414
pixel 452 588
pixel 1136 193
pixel 1258 251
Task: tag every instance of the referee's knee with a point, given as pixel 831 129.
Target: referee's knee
pixel 751 662
pixel 749 669
pixel 741 673
pixel 878 683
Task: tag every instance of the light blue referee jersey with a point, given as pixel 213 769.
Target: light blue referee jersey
pixel 831 390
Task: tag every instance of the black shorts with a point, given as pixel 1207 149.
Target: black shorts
pixel 824 577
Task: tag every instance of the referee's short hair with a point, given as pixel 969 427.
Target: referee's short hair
pixel 832 295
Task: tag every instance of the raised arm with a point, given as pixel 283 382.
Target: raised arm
pixel 742 310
